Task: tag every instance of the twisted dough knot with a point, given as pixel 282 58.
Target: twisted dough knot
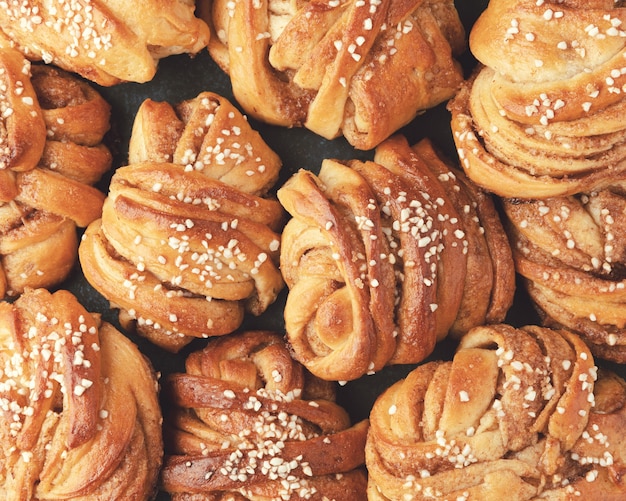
pixel 251 423
pixel 105 41
pixel 186 245
pixel 543 115
pixel 570 251
pixel 206 134
pixel 79 416
pixel 51 153
pixel 385 258
pixel 517 414
pixel 361 69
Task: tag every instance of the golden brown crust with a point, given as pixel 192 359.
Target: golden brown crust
pixel 49 191
pixel 160 313
pixel 337 310
pixel 552 51
pixel 80 163
pixel 36 254
pixel 206 134
pixel 517 414
pixel 81 418
pixel 72 109
pixel 570 252
pixel 542 115
pixel 23 132
pixel 386 257
pixel 53 153
pixel 105 41
pixel 247 421
pixel 186 242
pixel 358 69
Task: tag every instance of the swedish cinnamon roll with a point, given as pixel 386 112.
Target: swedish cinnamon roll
pixel 384 258
pixel 518 414
pixel 570 252
pixel 542 116
pixel 249 422
pixel 52 155
pixel 357 69
pixel 105 41
pixel 187 243
pixel 79 416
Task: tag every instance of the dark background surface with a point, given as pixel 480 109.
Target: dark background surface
pixel 183 77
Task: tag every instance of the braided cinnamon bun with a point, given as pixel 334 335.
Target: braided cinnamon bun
pixel 250 423
pixel 386 257
pixel 105 41
pixel 52 155
pixel 518 414
pixel 79 416
pixel 543 115
pixel 351 68
pixel 570 252
pixel 187 243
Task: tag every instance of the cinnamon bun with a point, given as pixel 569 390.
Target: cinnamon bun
pixel 518 414
pixel 52 156
pixel 249 422
pixel 79 414
pixel 569 251
pixel 188 242
pixel 386 257
pixel 351 68
pixel 105 41
pixel 542 116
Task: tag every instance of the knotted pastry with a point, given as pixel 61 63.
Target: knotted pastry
pixel 249 422
pixel 543 115
pixel 361 69
pixel 518 414
pixel 384 258
pixel 570 251
pixel 186 243
pixel 51 155
pixel 208 135
pixel 105 41
pixel 79 416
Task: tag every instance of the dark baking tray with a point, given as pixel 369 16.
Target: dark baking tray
pixel 183 77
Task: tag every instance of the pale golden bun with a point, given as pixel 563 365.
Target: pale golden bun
pixel 543 114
